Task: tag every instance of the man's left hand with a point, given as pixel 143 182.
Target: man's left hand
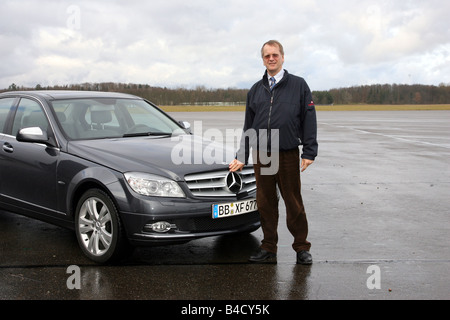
pixel 306 163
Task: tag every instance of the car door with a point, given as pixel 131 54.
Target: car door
pixel 28 170
pixel 6 105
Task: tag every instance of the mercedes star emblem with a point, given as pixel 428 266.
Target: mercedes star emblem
pixel 234 182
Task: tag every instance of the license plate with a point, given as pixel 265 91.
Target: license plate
pixel 224 210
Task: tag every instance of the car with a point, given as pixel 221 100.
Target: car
pixel 102 164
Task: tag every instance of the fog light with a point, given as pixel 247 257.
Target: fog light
pixel 160 226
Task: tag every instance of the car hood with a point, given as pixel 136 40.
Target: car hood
pixel 171 157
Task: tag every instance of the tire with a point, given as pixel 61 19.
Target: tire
pixel 98 227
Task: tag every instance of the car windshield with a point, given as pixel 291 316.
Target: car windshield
pixel 84 119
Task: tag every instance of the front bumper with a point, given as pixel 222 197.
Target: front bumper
pixel 190 219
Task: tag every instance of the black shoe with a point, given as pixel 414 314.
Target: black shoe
pixel 304 257
pixel 263 256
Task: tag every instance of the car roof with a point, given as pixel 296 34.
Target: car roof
pixel 69 94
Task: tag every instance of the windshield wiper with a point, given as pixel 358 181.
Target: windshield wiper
pixel 145 134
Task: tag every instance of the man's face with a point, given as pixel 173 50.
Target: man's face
pixel 272 58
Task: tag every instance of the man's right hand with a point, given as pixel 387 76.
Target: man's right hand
pixel 236 165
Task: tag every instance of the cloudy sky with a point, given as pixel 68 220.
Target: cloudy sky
pixel 216 43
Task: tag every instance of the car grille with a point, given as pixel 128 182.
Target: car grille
pixel 214 184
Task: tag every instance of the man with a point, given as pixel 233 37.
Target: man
pixel 283 103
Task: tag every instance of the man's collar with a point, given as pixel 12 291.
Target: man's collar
pixel 278 76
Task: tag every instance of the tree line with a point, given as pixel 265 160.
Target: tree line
pixel 367 94
pixel 159 95
pixel 385 94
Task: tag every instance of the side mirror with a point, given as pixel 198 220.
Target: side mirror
pixel 33 134
pixel 186 125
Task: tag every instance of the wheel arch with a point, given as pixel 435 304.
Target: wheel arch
pixel 93 178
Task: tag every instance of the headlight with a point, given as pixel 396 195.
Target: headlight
pixel 153 185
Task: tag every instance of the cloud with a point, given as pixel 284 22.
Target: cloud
pixel 216 43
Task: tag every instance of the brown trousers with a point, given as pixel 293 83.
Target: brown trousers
pixel 288 180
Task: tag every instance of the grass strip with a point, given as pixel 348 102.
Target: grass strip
pixel 356 107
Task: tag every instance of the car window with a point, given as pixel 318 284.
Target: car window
pixel 5 107
pixel 29 114
pixel 110 118
pixel 147 118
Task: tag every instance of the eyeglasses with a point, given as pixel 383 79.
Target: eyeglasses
pixel 274 56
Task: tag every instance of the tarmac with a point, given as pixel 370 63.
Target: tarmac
pixel 378 206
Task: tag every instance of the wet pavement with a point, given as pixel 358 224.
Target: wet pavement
pixel 377 200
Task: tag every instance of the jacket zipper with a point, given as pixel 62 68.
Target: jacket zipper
pixel 268 120
pixel 270 110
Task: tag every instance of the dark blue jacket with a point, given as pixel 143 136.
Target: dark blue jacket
pixel 289 107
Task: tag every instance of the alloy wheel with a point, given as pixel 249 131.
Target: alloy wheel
pixel 95 226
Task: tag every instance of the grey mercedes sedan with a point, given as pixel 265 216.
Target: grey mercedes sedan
pixel 107 165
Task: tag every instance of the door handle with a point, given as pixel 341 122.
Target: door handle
pixel 8 148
